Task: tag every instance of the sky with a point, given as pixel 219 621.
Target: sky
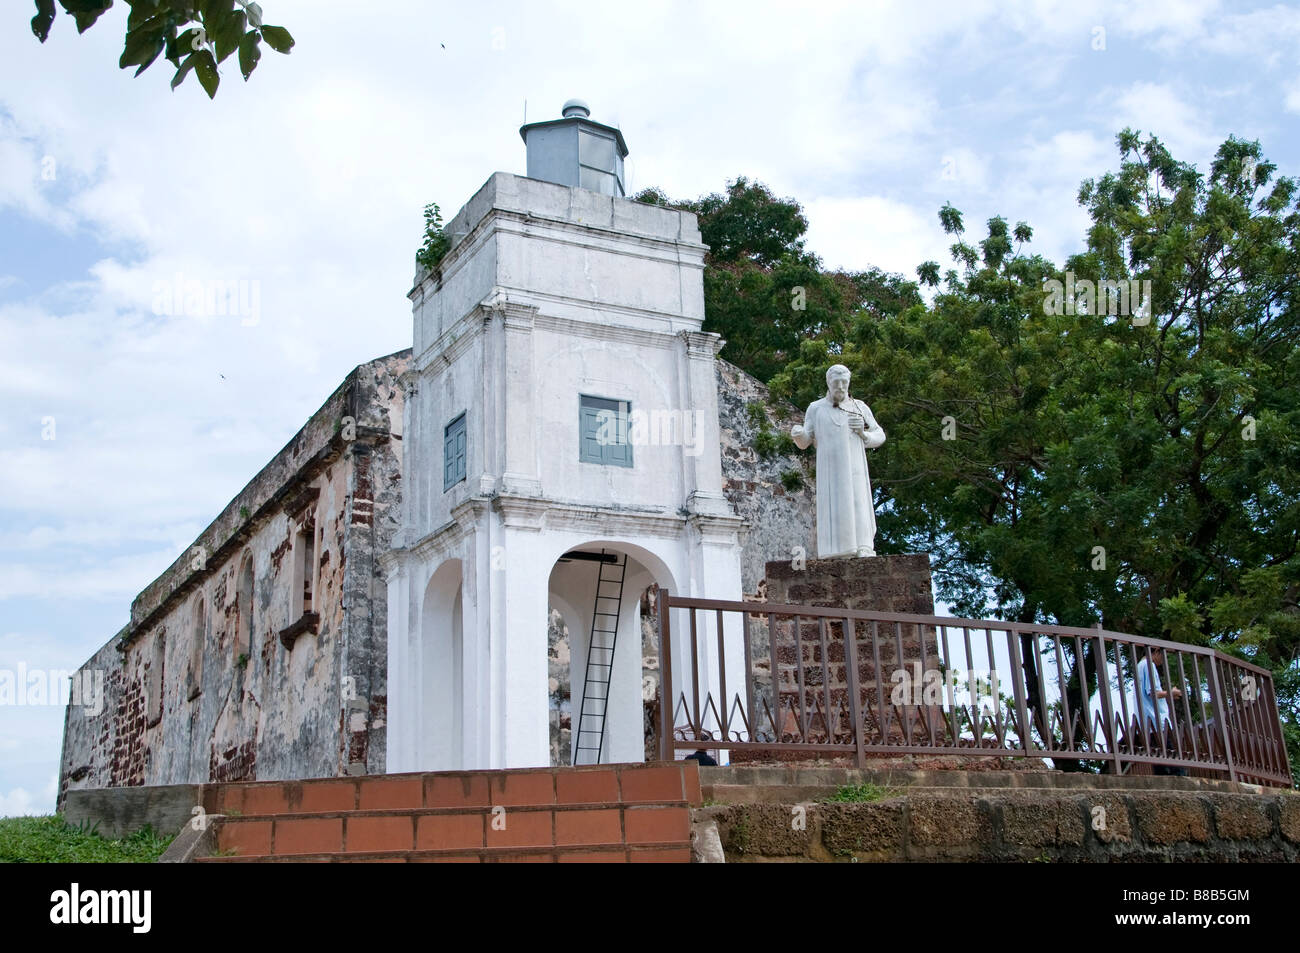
pixel 129 417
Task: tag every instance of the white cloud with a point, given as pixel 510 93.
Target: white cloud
pixel 121 577
pixel 1292 98
pixel 1155 108
pixel 873 230
pixel 1264 35
pixel 17 803
pixel 21 186
pixel 20 802
pixel 1169 24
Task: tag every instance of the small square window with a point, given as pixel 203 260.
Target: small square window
pixel 602 431
pixel 453 453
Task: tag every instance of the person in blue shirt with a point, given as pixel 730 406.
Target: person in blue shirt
pixel 1154 707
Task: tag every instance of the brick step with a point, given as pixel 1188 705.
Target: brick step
pixel 555 826
pixel 447 811
pixel 667 853
pixel 539 787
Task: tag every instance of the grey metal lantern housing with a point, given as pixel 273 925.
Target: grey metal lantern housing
pixel 576 151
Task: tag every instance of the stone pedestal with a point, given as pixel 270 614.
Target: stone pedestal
pixel 812 661
pixel 871 583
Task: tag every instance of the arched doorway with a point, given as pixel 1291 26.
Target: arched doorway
pixel 439 737
pixel 603 668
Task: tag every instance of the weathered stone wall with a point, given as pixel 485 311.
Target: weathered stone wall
pixel 1042 826
pixel 374 516
pixel 273 708
pixel 779 518
pixel 871 583
pixel 559 689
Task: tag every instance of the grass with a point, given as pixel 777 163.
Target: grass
pixel 739 836
pixel 858 794
pixel 52 840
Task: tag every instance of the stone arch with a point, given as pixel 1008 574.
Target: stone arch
pixel 198 637
pixel 244 607
pixel 154 680
pixel 571 594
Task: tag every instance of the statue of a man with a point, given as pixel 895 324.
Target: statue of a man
pixel 844 430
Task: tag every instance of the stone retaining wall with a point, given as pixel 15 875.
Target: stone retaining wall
pixel 1023 825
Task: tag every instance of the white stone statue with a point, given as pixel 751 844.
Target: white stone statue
pixel 843 429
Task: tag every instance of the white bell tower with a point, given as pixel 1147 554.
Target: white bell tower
pixel 561 431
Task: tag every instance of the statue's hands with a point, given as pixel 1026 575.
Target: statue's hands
pixel 856 423
pixel 796 431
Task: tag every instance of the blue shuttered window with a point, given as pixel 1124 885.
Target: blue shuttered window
pixel 602 434
pixel 453 453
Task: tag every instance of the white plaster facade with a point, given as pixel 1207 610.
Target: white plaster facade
pixel 548 293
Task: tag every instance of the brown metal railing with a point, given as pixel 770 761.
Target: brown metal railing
pixel 765 680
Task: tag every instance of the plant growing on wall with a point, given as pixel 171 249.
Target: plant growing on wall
pixel 767 442
pixel 436 241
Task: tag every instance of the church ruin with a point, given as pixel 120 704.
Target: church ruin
pixel 436 572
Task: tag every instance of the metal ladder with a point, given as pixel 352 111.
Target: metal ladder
pixel 590 736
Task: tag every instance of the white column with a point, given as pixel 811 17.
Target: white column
pixel 478 593
pixel 702 473
pixel 519 407
pixel 521 690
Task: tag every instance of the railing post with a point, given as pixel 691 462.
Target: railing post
pixel 1018 685
pixel 1279 740
pixel 665 679
pixel 751 715
pixel 1221 714
pixel 851 662
pixel 1107 703
pixel 724 711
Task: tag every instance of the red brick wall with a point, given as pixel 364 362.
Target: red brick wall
pixel 619 813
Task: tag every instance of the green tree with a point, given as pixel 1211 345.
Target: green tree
pixel 194 35
pixel 1136 469
pixel 763 291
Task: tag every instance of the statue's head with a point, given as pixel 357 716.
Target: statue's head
pixel 837 383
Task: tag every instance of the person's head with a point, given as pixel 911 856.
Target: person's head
pixel 837 383
pixel 1157 655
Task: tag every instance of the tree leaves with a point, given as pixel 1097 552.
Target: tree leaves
pixel 277 38
pixel 185 68
pixel 85 12
pixel 249 53
pixel 142 48
pixel 206 70
pixel 43 20
pixel 194 37
pixel 228 34
pixel 763 291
